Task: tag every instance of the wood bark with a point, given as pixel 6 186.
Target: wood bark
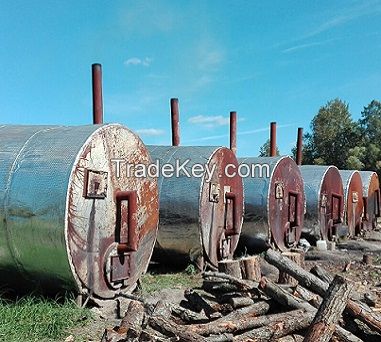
pixel 132 321
pixel 330 311
pixel 241 319
pixel 290 338
pixel 284 277
pixel 230 267
pixel 321 273
pixel 308 280
pixel 201 304
pixel 285 325
pixel 239 302
pixel 245 285
pixel 251 268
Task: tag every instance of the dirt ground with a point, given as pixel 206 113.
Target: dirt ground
pixel 346 260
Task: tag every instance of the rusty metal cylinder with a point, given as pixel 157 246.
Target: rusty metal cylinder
pixel 273 139
pixel 353 201
pixel 299 146
pixel 324 193
pixel 200 217
pixel 97 94
pixel 175 122
pixel 68 220
pixel 233 132
pixel 274 203
pixel 371 199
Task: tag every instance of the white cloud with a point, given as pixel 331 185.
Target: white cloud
pixel 209 121
pixel 150 132
pixel 134 61
pixel 216 137
pixel 307 45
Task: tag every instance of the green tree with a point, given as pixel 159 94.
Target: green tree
pixel 264 150
pixel 333 136
pixel 370 126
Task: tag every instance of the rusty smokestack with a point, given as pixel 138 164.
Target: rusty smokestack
pixel 97 93
pixel 233 132
pixel 299 146
pixel 175 122
pixel 273 139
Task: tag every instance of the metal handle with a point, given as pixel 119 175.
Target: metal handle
pixel 128 238
pixel 232 197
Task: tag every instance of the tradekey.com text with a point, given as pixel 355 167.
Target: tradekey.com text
pixel 185 168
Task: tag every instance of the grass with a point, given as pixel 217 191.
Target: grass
pixel 155 282
pixel 37 319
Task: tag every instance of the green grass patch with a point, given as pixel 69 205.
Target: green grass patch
pixel 37 319
pixel 155 282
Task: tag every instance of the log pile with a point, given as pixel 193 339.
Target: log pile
pixel 240 305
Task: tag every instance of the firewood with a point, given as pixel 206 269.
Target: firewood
pixel 189 316
pixel 308 280
pixel 285 278
pixel 321 273
pixel 282 296
pixel 200 303
pixel 290 338
pixel 230 267
pixel 240 322
pixel 330 311
pixel 239 302
pixel 251 268
pixel 286 324
pixel 111 335
pixel 133 319
pixel 220 338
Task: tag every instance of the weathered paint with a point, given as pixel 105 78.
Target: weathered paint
pixel 58 205
pixel 196 217
pixel 371 198
pixel 324 193
pixel 353 201
pixel 274 205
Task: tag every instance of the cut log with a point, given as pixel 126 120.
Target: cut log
pixel 289 323
pixel 230 267
pixel 321 273
pixel 284 277
pixel 312 298
pixel 239 302
pixel 308 280
pixel 220 338
pixel 290 338
pixel 132 321
pixel 201 304
pixel 241 322
pixel 251 268
pixel 330 311
pixel 241 284
pixel 287 299
pixel 189 316
pixel 282 296
pixel 111 335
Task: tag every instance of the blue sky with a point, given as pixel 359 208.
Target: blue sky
pixel 268 60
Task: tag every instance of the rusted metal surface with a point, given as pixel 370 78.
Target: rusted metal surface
pixel 58 208
pixel 198 217
pixel 324 194
pixel 273 139
pixel 371 199
pixel 353 201
pixel 97 94
pixel 175 122
pixel 233 132
pixel 274 205
pixel 299 147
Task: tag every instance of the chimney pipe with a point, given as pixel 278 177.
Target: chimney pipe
pixel 175 122
pixel 273 139
pixel 97 93
pixel 299 147
pixel 233 132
